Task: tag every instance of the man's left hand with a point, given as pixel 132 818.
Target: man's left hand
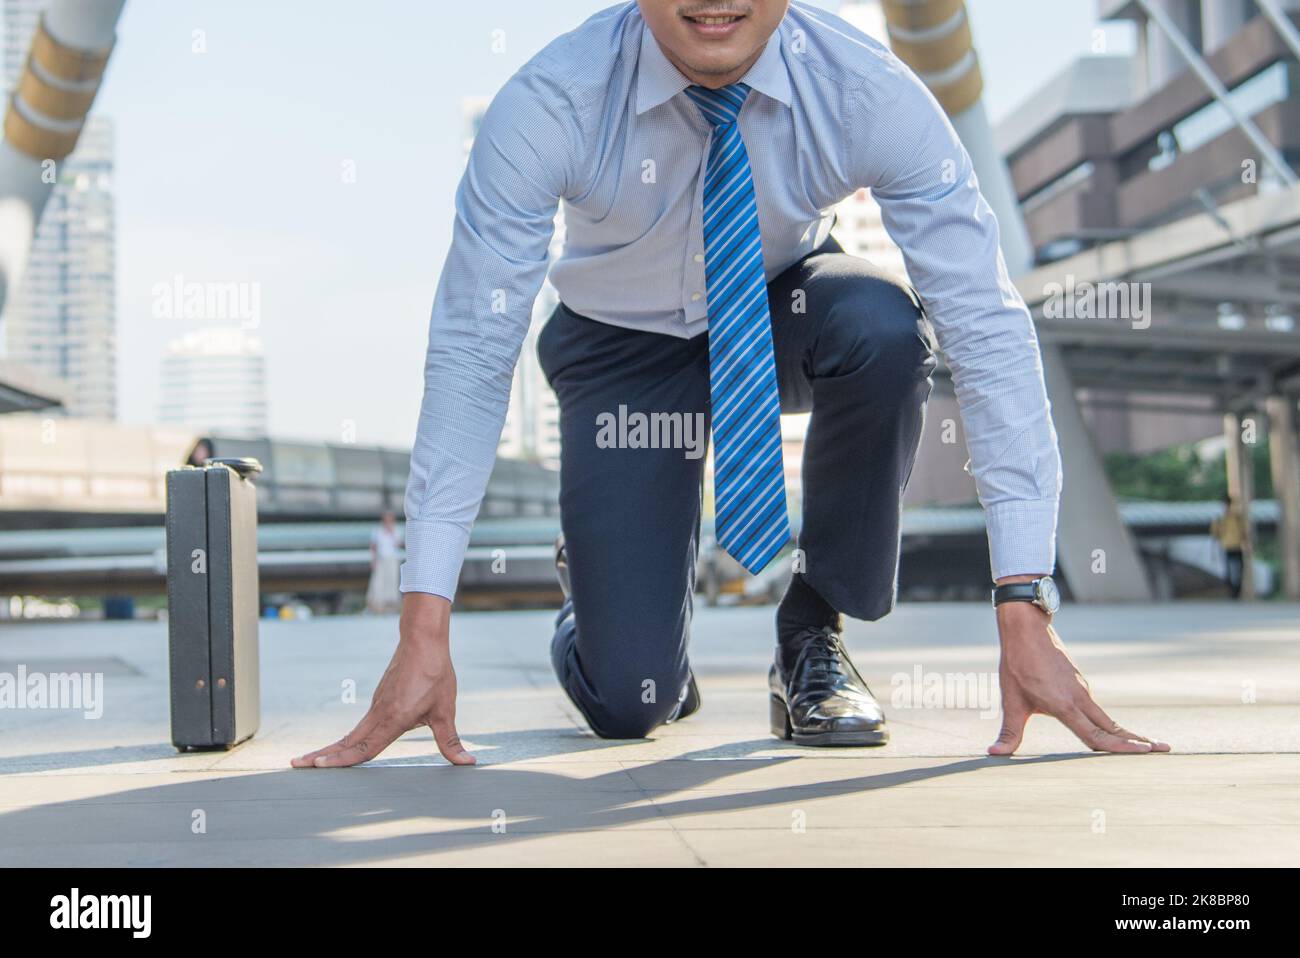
pixel 1038 678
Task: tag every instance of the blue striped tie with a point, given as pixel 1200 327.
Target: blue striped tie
pixel 748 477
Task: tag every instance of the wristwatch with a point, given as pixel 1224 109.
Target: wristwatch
pixel 1042 592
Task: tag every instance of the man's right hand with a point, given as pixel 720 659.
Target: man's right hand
pixel 418 688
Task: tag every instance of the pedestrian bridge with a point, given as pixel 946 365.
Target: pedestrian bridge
pixel 511 560
pixel 75 473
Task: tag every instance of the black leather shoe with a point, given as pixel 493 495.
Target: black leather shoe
pixel 824 701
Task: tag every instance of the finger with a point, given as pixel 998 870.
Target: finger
pixel 305 761
pixel 1014 718
pixel 444 733
pixel 309 760
pixel 1096 738
pixel 1099 718
pixel 362 750
pixel 363 728
pixel 1156 745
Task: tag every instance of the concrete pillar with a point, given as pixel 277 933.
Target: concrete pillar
pixel 1097 552
pixel 1284 456
pixel 1140 76
pixel 1163 59
pixel 976 133
pixel 1241 485
pixel 1221 19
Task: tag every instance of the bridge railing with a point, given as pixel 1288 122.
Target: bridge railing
pixel 74 467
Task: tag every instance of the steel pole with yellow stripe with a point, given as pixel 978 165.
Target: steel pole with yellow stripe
pixel 45 116
pixel 934 38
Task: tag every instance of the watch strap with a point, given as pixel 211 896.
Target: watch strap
pixel 1016 592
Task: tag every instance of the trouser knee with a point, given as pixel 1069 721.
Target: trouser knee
pixel 632 706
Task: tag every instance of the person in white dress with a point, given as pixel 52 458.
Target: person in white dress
pixel 383 594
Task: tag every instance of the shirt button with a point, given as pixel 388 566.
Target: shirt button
pixel 699 257
pixel 695 296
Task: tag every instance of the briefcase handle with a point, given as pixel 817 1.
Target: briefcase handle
pixel 247 467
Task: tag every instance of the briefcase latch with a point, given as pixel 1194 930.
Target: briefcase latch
pixel 247 467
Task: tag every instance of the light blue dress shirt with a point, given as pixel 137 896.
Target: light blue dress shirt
pixel 598 121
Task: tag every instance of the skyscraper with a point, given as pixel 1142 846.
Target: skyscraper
pixel 214 380
pixel 62 320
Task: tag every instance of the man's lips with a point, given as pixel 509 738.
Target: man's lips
pixel 717 24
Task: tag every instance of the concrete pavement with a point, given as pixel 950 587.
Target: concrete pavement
pixel 1221 682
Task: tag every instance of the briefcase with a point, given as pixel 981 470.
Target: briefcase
pixel 212 603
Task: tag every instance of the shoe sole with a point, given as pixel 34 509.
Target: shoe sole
pixel 781 728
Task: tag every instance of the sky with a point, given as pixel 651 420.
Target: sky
pixel 311 149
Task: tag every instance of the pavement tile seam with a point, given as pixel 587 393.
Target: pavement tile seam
pixel 677 832
pixel 648 797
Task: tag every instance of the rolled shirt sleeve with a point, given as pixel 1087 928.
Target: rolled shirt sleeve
pixel 517 172
pixel 931 205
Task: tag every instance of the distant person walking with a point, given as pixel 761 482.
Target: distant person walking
pixel 201 453
pixel 1230 530
pixel 384 594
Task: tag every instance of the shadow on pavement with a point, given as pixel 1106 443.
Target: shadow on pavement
pixel 348 816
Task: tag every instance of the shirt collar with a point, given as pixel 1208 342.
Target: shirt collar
pixel 658 81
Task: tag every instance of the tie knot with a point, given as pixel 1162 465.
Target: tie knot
pixel 720 106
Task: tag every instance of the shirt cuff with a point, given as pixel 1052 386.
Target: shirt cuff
pixel 1022 536
pixel 435 552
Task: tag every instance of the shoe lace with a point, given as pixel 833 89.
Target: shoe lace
pixel 825 652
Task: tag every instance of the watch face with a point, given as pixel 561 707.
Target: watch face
pixel 1048 594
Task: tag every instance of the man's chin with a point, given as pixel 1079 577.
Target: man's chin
pixel 715 68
